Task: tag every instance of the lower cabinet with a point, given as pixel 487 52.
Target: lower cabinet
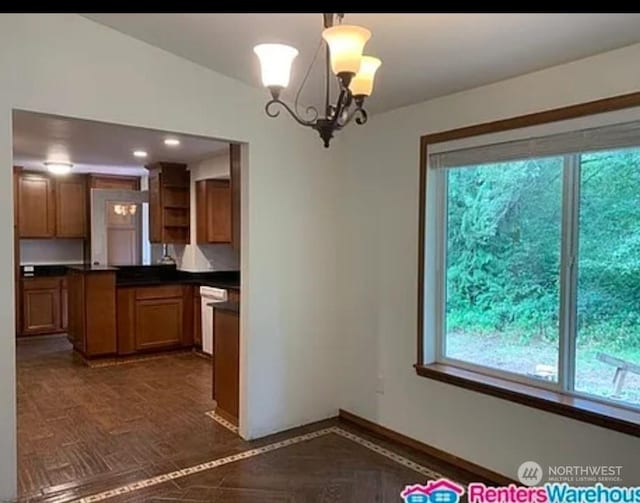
pixel 226 363
pixel 44 306
pixel 154 318
pixel 233 295
pixel 64 305
pixel 197 318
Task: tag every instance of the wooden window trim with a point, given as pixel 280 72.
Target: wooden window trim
pixel 582 409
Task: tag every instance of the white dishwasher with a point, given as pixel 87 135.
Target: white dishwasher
pixel 208 295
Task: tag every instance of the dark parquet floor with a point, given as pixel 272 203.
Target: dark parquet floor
pixel 85 430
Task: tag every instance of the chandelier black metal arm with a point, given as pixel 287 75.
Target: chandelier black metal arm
pixel 338 115
pixel 275 113
pixel 358 113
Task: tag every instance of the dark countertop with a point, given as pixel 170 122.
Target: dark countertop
pixel 91 268
pixel 46 271
pixel 227 285
pixel 151 275
pixel 233 307
pixel 169 275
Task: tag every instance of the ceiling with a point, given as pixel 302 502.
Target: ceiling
pixel 423 55
pixel 99 147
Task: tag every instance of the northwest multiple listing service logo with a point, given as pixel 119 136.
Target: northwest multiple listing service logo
pixel 532 490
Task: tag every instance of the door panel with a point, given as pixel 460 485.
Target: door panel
pixel 41 311
pixel 122 246
pixel 158 323
pixel 36 207
pixel 71 208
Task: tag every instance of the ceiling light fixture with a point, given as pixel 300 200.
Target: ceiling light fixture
pixel 124 209
pixel 58 167
pixel 343 53
pixel 139 153
pixel 171 142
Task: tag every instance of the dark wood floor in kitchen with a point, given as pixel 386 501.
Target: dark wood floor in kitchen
pixel 83 431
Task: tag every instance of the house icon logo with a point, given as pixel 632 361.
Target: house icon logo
pixel 436 491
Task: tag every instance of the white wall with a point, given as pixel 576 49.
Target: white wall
pixel 67 65
pixel 378 271
pixel 51 251
pixel 196 257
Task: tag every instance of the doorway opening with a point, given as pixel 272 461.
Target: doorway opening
pixel 115 371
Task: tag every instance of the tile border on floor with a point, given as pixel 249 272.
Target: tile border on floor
pixel 127 360
pixel 222 421
pixel 166 477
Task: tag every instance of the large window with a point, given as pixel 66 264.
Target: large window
pixel 534 253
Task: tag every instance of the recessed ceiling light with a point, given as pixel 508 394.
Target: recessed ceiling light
pixel 58 167
pixel 139 153
pixel 171 142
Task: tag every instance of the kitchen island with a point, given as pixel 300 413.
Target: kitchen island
pixel 124 311
pixel 92 309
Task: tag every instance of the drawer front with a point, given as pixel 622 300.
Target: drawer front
pixel 41 283
pixel 159 292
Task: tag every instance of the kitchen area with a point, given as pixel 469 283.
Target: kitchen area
pixel 128 245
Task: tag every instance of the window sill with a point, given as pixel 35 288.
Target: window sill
pixel 590 411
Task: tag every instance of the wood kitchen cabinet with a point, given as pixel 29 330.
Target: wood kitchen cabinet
pixel 214 211
pixel 64 305
pixel 197 318
pixel 71 207
pixel 236 166
pixel 233 295
pixel 114 182
pixel 49 207
pixel 226 363
pixel 158 323
pixel 41 306
pixel 169 203
pixel 92 311
pixel 218 206
pixel 154 318
pixel 36 206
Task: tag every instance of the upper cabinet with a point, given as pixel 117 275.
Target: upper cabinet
pixel 234 161
pixel 114 182
pixel 169 203
pixel 71 207
pixel 213 211
pixel 36 206
pixel 51 207
pixel 218 206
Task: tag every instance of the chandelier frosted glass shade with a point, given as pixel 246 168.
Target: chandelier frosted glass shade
pixel 275 63
pixel 346 43
pixel 362 83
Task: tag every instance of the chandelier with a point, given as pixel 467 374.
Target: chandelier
pixel 124 210
pixel 343 55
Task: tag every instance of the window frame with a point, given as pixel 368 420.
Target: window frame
pixel 558 397
pixel 439 339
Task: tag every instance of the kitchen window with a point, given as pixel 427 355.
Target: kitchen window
pixel 531 258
